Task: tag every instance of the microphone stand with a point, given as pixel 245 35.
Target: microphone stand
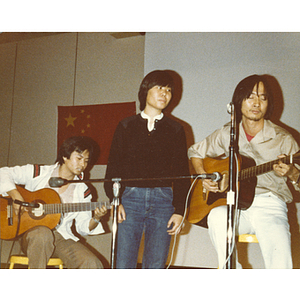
pixel 115 203
pixel 231 194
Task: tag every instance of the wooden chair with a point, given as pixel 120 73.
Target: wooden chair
pixel 23 260
pixel 248 238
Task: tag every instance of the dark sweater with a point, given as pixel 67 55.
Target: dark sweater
pixel 137 153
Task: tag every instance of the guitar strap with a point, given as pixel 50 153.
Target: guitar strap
pixel 87 193
pixel 36 171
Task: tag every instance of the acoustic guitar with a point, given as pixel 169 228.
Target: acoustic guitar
pixel 47 212
pixel 202 202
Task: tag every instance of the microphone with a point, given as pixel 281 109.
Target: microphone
pixel 216 176
pixel 230 107
pixel 27 204
pixel 57 181
pixel 116 189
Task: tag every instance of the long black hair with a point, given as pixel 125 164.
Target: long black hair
pixel 244 90
pixel 157 77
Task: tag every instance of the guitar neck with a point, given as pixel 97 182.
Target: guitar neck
pixel 261 169
pixel 60 208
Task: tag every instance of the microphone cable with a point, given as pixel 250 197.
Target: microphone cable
pixel 185 212
pixel 183 219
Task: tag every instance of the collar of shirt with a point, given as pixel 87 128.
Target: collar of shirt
pixel 67 195
pixel 151 122
pixel 267 132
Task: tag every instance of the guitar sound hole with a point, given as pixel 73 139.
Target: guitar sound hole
pixel 37 213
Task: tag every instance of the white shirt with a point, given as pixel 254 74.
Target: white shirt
pixel 151 121
pixel 270 142
pixel 23 175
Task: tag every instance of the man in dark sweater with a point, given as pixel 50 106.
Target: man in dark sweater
pixel 148 146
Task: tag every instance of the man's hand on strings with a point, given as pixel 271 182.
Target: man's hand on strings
pixel 210 185
pixel 282 169
pixel 100 212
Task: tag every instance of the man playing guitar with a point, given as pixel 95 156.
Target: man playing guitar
pixel 40 242
pixel 262 141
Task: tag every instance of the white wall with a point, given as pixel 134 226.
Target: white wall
pixel 211 65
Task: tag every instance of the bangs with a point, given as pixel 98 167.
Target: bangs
pixel 154 78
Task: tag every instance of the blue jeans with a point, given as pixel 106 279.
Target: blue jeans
pixel 147 210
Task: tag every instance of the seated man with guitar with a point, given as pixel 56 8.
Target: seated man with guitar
pixel 35 222
pixel 269 152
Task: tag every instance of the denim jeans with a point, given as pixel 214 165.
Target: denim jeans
pixel 147 210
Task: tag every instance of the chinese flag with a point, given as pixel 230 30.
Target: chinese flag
pixel 98 122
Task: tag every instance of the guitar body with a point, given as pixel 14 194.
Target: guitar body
pixel 28 219
pixel 201 203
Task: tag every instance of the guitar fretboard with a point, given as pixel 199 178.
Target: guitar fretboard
pixel 261 169
pixel 73 207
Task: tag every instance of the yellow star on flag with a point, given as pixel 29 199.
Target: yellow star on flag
pixel 89 120
pixel 70 120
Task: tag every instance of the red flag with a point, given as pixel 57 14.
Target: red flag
pixel 98 122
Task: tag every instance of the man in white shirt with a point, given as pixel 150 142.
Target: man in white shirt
pixel 263 141
pixel 40 243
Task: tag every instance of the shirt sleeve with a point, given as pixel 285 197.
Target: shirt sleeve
pixel 9 177
pixel 83 218
pixel 212 146
pixel 82 225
